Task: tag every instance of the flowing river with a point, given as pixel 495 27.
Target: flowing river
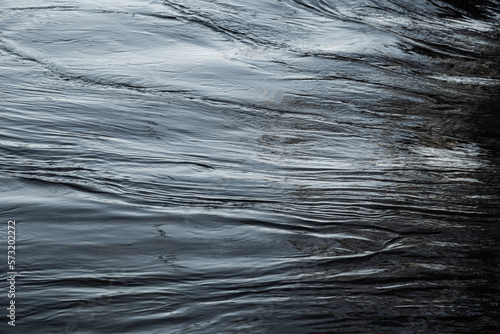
pixel 251 167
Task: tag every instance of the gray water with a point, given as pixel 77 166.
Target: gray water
pixel 274 166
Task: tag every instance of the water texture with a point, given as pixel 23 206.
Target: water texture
pixel 274 166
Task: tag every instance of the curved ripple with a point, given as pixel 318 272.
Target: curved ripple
pixel 298 166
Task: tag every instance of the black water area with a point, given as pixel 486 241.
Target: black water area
pixel 251 167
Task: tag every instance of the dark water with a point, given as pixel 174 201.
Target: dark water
pixel 293 166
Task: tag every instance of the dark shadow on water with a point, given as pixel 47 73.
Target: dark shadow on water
pixel 479 9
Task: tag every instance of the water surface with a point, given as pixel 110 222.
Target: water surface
pixel 294 166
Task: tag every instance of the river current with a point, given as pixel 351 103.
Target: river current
pixel 251 167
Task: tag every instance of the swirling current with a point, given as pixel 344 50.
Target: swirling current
pixel 251 167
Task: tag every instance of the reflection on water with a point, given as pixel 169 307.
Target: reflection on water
pixel 295 166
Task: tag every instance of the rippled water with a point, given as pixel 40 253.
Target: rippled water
pixel 280 166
